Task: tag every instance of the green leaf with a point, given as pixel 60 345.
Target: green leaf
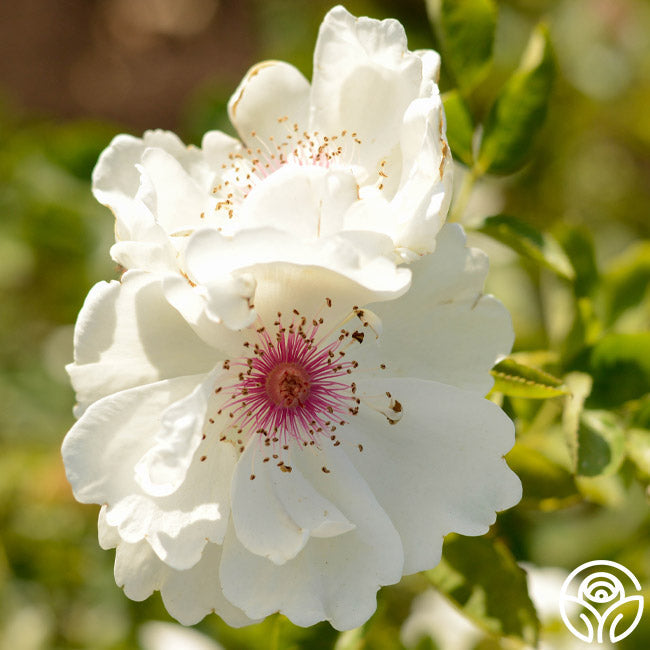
pixel 482 578
pixel 578 244
pixel 585 330
pixel 465 29
pixel 517 380
pixel 627 282
pixel 519 110
pixel 620 365
pixel 529 242
pixel 579 386
pixel 601 443
pixel 460 128
pixel 637 444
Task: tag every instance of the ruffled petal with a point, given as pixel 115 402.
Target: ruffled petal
pixel 422 201
pixel 275 512
pixel 440 469
pixel 138 570
pixel 272 97
pixel 220 304
pixel 127 334
pixel 364 78
pixel 444 328
pixel 163 468
pixel 102 449
pixel 117 179
pixel 354 267
pixel 191 595
pixel 188 595
pixel 180 200
pixel 333 578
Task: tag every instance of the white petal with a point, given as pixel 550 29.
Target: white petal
pixel 180 200
pixel 188 595
pixel 127 334
pixel 107 535
pixel 217 147
pixel 353 268
pixel 443 328
pixel 334 578
pixel 145 255
pixel 163 468
pixel 425 186
pixel 223 303
pixel 272 97
pixel 100 453
pixel 430 71
pixel 191 595
pixel 276 512
pixel 440 469
pixel 115 179
pixel 364 78
pixel 101 449
pixel 138 571
pixel 309 202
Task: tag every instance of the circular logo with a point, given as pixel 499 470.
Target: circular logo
pixel 593 601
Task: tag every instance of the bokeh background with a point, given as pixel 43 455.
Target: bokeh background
pixel 73 73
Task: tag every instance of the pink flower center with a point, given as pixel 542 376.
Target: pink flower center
pixel 293 387
pixel 288 385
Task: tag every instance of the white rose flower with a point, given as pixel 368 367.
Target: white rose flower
pixel 298 464
pixel 355 162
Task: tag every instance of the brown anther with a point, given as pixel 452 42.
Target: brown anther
pixel 203 458
pixel 325 470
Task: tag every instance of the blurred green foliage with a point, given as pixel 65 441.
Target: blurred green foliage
pixel 571 261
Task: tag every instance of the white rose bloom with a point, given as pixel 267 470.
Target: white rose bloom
pixel 300 463
pixel 356 162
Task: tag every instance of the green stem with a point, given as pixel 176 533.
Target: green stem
pixel 462 199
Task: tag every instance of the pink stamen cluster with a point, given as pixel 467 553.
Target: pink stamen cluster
pixel 293 387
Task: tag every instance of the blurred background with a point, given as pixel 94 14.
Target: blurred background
pixel 73 73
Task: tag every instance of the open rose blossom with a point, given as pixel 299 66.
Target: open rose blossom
pixel 273 413
pixel 355 165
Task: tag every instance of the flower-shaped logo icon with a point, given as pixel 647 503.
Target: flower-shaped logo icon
pixel 600 592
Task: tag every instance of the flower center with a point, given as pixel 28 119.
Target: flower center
pixel 254 164
pixel 288 385
pixel 295 385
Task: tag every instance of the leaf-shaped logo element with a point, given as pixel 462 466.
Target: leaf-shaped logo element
pixel 614 615
pixel 589 636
